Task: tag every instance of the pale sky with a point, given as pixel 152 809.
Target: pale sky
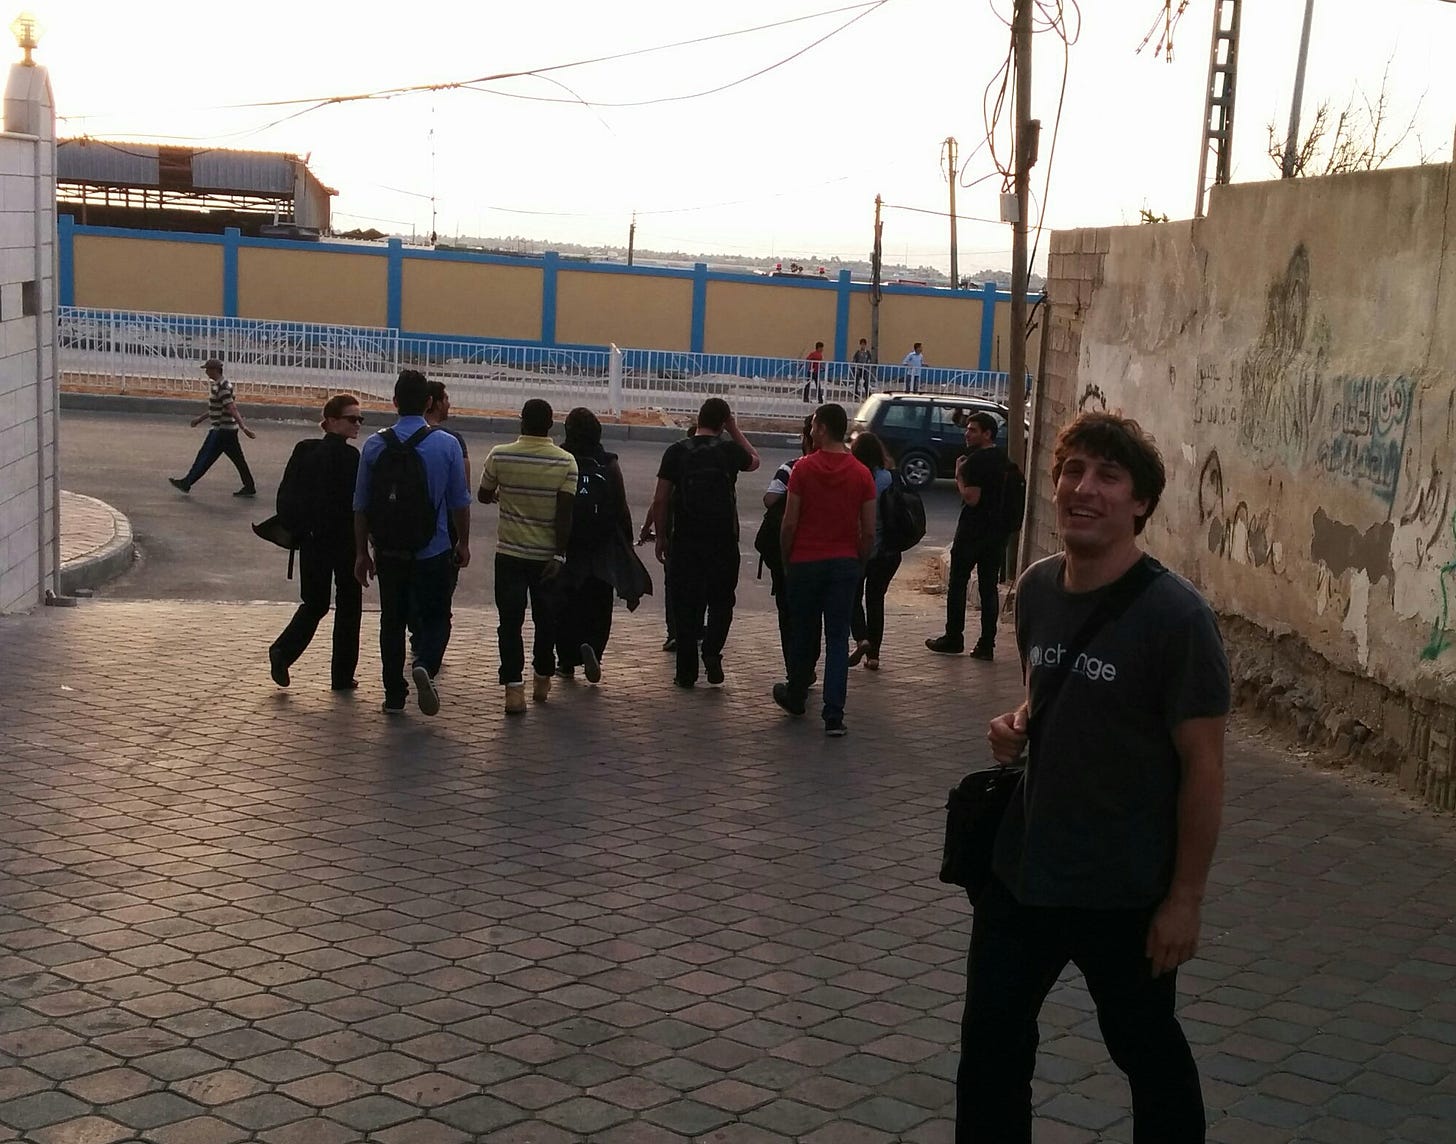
pixel 787 164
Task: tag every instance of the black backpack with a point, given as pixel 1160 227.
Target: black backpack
pixel 297 508
pixel 768 542
pixel 1013 499
pixel 705 503
pixel 592 516
pixel 902 516
pixel 401 514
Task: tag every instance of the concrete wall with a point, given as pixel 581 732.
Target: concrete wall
pixel 543 300
pixel 1293 354
pixel 29 512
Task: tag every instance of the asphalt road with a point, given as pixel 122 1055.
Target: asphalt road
pixel 199 546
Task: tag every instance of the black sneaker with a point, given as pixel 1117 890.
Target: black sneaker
pixel 565 672
pixel 983 651
pixel 344 685
pixel 591 666
pixel 945 645
pixel 782 697
pixel 835 729
pixel 713 668
pixel 393 707
pixel 246 493
pixel 179 484
pixel 685 684
pixel 670 644
pixel 277 670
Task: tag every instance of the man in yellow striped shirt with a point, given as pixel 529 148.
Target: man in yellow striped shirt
pixel 534 481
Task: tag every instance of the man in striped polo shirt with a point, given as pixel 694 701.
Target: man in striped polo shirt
pixel 222 438
pixel 534 482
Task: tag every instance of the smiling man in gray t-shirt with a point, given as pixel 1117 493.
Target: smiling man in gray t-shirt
pixel 1103 858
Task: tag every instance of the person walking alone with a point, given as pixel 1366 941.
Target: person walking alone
pixel 828 530
pixel 222 438
pixel 814 373
pixel 316 505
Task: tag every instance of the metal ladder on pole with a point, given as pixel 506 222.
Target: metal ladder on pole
pixel 1218 108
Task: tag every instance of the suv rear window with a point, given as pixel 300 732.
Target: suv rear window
pixel 904 415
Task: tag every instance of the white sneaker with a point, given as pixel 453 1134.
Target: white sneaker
pixel 591 666
pixel 425 693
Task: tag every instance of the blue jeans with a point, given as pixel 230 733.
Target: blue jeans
pixel 413 594
pixel 214 445
pixel 821 596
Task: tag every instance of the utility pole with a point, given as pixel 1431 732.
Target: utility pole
pixel 953 173
pixel 876 257
pixel 1291 145
pixel 631 237
pixel 1025 155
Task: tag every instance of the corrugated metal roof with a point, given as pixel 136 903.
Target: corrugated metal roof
pixel 138 165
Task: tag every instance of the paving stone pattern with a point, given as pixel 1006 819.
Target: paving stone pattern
pixel 636 914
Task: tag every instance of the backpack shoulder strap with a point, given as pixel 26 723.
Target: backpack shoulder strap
pixel 417 436
pixel 390 436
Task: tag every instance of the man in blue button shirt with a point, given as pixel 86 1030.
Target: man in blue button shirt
pixel 414 588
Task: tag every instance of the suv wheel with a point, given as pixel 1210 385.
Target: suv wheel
pixel 918 469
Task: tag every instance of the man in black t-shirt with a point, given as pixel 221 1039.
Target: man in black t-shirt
pixel 1102 859
pixel 696 510
pixel 980 539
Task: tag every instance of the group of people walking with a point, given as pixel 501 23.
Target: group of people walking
pixel 1103 855
pixel 861 371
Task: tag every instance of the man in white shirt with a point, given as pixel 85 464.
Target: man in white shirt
pixel 912 363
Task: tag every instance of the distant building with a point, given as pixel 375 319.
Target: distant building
pixel 150 187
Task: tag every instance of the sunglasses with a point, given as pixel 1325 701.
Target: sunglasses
pixel 355 418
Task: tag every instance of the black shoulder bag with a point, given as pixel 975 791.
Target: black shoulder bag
pixel 977 804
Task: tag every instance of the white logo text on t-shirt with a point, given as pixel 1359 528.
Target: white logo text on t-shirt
pixel 1089 667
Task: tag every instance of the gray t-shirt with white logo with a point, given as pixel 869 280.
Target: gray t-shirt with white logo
pixel 1096 826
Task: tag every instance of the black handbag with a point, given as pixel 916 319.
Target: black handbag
pixel 977 804
pixel 274 531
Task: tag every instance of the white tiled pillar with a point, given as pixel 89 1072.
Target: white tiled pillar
pixel 29 486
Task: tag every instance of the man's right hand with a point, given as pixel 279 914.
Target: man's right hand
pixel 1007 736
pixel 661 549
pixel 363 568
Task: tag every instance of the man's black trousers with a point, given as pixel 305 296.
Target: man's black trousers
pixel 1017 954
pixel 703 580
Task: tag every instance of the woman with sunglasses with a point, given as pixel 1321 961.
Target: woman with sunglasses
pixel 315 504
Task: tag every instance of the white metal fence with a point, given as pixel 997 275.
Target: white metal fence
pixel 128 351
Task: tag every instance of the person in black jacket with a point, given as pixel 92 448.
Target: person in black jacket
pixel 315 503
pixel 601 529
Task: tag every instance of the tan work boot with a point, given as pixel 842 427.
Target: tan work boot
pixel 540 688
pixel 515 699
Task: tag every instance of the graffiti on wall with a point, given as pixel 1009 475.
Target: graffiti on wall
pixel 1440 638
pixel 1241 536
pixel 1425 509
pixel 1215 399
pixel 1280 392
pixel 1093 400
pixel 1365 438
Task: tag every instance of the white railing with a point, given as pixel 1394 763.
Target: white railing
pixel 130 352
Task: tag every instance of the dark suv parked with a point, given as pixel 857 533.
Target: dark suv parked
pixel 924 432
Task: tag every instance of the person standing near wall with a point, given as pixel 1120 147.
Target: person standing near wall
pixel 861 375
pixel 315 504
pixel 913 361
pixel 222 438
pixel 1102 858
pixel 813 373
pixel 696 509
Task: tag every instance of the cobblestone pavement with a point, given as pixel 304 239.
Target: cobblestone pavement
pixel 635 914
